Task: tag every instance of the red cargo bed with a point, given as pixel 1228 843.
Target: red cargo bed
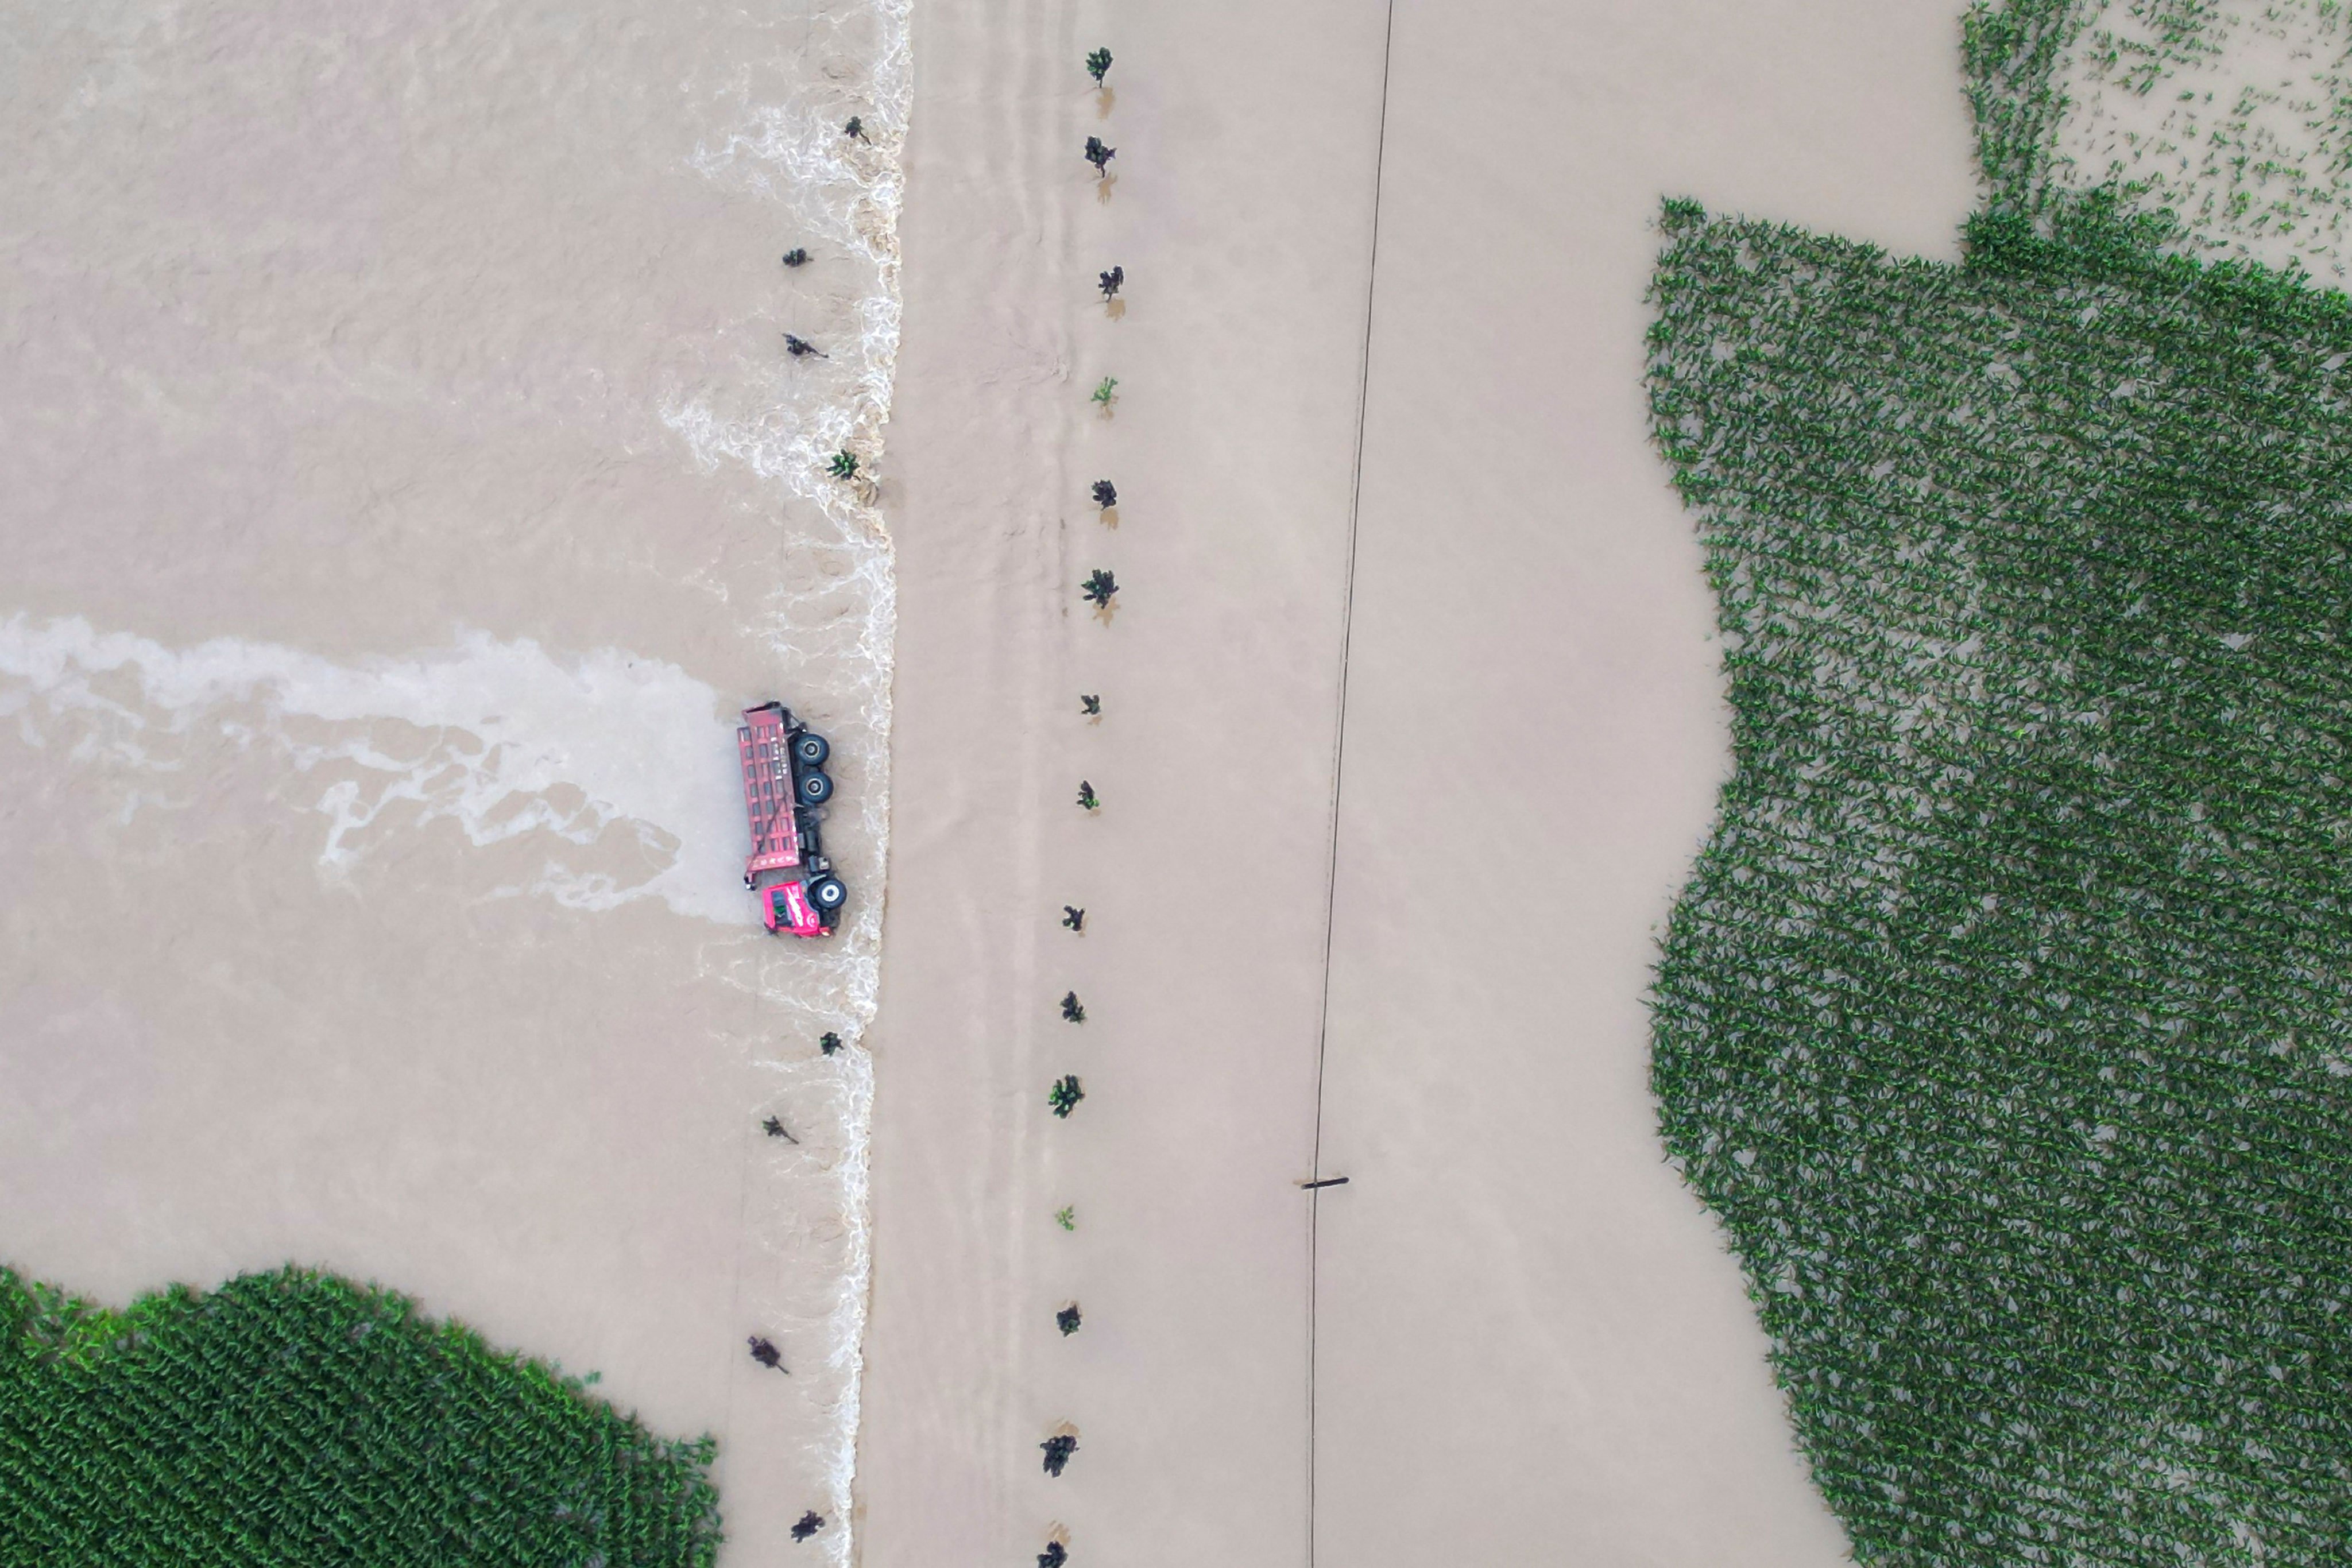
pixel 768 792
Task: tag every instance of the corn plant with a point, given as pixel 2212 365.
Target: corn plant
pixel 2003 1020
pixel 293 1417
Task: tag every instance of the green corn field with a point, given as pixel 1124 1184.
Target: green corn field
pixel 296 1418
pixel 2006 1020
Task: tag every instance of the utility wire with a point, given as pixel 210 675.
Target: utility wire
pixel 1339 768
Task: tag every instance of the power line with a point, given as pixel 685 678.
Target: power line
pixel 1339 767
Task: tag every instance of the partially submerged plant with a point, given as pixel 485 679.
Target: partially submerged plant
pixel 856 127
pixel 828 1042
pixel 1099 65
pixel 2001 1021
pixel 810 1524
pixel 775 1128
pixel 262 1421
pixel 765 1352
pixel 801 348
pixel 1064 1098
pixel 1099 155
pixel 844 465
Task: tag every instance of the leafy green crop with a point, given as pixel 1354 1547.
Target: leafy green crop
pixel 2005 1021
pixel 2228 126
pixel 295 1419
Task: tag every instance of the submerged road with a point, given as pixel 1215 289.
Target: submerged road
pixel 1409 726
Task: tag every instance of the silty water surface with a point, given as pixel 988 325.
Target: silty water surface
pixel 405 485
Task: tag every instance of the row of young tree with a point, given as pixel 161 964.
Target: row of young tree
pixel 1098 589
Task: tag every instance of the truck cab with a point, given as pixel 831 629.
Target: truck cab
pixel 785 788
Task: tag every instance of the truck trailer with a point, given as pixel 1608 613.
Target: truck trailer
pixel 785 788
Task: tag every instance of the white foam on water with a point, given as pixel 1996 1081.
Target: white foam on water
pixel 587 751
pixel 783 421
pixel 503 725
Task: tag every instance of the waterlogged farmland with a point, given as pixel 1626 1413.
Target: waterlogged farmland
pixel 294 1417
pixel 2007 1019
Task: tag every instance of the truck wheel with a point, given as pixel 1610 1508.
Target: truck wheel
pixel 826 893
pixel 816 788
pixel 810 749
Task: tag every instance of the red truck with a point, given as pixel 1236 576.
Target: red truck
pixel 785 783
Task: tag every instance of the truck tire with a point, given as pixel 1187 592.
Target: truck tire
pixel 809 749
pixel 815 789
pixel 826 893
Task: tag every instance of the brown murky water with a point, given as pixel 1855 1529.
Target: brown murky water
pixel 404 483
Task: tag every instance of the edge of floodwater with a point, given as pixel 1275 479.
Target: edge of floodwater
pixel 879 176
pixel 875 223
pixel 846 192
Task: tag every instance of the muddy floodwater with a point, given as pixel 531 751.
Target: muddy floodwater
pixel 405 485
